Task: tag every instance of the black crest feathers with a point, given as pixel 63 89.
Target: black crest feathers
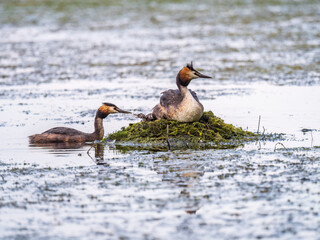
pixel 109 104
pixel 190 66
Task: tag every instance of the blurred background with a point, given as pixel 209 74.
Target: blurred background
pixel 237 41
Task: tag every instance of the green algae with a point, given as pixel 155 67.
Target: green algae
pixel 209 132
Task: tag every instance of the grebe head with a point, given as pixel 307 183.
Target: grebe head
pixel 108 108
pixel 188 73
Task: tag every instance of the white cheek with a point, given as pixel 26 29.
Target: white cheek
pixel 193 76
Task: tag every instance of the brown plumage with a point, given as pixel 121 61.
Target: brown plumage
pixel 181 104
pixel 63 134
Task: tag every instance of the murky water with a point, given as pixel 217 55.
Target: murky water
pixel 59 60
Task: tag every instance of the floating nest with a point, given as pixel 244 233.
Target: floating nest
pixel 209 132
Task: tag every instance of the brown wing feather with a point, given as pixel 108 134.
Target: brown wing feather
pixel 64 131
pixel 174 97
pixel 194 95
pixel 170 97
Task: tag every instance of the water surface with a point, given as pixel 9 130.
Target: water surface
pixel 59 60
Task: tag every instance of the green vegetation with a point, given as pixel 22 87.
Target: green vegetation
pixel 209 132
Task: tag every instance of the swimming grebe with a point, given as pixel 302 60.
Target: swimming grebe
pixel 181 104
pixel 62 134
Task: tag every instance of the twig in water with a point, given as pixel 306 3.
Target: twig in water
pixel 88 152
pixel 311 139
pixel 168 137
pixel 90 149
pixel 275 146
pixel 259 123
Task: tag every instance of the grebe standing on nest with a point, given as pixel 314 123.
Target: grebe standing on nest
pixel 62 134
pixel 181 104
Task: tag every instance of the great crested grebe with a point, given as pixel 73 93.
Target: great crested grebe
pixel 62 134
pixel 181 104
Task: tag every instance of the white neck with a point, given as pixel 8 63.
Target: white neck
pixel 184 90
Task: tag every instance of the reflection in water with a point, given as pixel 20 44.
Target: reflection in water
pixel 65 148
pixel 98 153
pixel 185 173
pixel 190 176
pixel 58 149
pixel 64 145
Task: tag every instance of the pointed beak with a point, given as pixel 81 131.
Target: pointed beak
pixel 200 75
pixel 121 111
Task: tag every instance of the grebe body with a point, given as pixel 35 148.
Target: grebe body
pixel 70 135
pixel 181 104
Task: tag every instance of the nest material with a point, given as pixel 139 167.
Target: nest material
pixel 209 132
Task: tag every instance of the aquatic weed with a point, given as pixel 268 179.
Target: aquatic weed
pixel 209 132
